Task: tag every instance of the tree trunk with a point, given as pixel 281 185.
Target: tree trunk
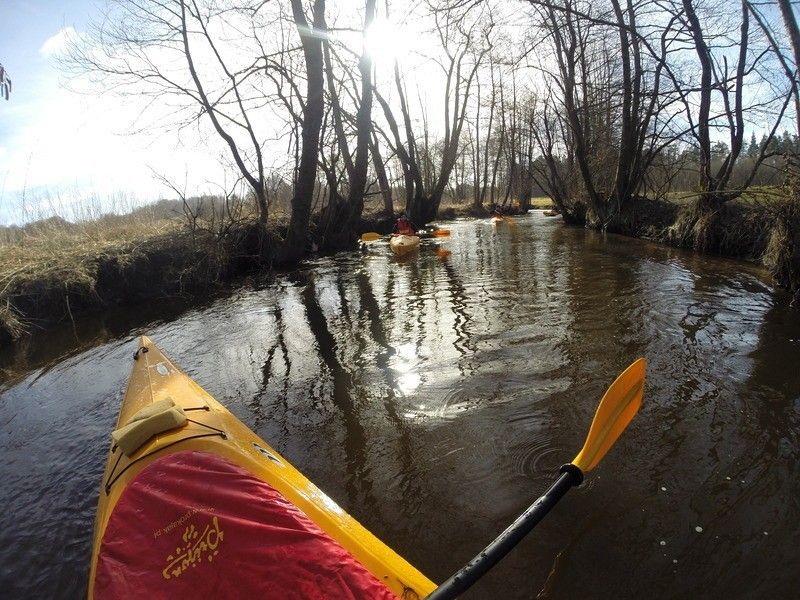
pixel 703 127
pixel 626 141
pixel 790 23
pixel 295 243
pixel 383 180
pixel 358 179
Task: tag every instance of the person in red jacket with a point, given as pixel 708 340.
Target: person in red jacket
pixel 404 226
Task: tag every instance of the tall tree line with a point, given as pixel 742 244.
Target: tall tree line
pixel 595 104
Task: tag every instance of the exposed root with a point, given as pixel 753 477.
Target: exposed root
pixel 733 229
pixel 782 255
pixel 11 326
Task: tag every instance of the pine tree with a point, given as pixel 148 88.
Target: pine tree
pixel 786 143
pixel 752 149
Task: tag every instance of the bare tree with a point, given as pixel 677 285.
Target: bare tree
pixel 343 211
pixel 722 88
pixel 609 94
pixel 313 108
pixel 128 47
pixel 464 48
pixel 380 173
pixel 790 26
pixel 790 23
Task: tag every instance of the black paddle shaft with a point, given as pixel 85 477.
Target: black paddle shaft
pixel 505 542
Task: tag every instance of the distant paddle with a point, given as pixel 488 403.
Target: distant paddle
pixel 619 405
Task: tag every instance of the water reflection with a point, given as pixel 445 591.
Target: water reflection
pixel 435 397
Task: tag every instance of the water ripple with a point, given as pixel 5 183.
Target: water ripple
pixel 435 398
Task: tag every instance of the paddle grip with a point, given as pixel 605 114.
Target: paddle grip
pixel 475 569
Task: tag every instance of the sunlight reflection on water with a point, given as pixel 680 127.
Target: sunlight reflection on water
pixel 433 398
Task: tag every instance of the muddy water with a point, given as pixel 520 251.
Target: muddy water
pixel 434 398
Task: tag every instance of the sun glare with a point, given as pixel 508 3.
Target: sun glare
pixel 384 41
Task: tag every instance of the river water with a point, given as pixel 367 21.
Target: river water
pixel 435 398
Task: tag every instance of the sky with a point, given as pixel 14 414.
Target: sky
pixel 57 145
pixel 61 150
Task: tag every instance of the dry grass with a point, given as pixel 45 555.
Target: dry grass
pixel 57 254
pixel 465 205
pixel 10 321
pixel 753 195
pixel 740 228
pixel 542 202
pixel 782 255
pixel 53 269
pixel 56 246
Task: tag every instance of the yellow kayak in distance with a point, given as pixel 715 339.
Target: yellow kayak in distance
pixel 193 504
pixel 402 244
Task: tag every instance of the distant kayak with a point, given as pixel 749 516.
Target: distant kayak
pixel 403 244
pixel 195 505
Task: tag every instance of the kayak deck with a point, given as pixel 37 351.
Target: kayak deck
pixel 210 502
pixel 402 244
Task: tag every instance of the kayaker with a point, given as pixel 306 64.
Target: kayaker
pixel 404 226
pixel 497 217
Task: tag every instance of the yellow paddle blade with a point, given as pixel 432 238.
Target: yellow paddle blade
pixel 370 236
pixel 619 405
pixel 441 232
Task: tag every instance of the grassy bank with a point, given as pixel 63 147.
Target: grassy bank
pixel 53 270
pixel 451 209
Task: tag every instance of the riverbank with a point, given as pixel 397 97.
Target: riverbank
pixel 60 270
pixel 53 270
pixel 760 227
